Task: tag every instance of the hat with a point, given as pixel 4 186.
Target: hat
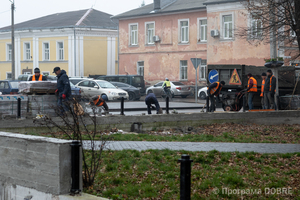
pixel 263 74
pixel 37 70
pixel 222 82
pixel 270 71
pixel 56 69
pixel 249 74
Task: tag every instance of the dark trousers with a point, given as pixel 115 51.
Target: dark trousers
pixel 262 101
pixel 212 107
pixel 269 101
pixel 63 105
pixel 250 100
pixel 152 101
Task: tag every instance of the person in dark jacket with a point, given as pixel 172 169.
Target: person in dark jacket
pixel 151 99
pixel 37 76
pixel 63 88
pixel 269 90
pixel 214 90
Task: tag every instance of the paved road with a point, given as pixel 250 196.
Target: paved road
pixel 203 146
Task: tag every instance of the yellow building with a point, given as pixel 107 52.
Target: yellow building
pixel 81 42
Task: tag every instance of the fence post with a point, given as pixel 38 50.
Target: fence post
pixel 167 105
pixel 75 161
pixel 207 104
pixel 122 106
pixel 19 107
pixel 185 177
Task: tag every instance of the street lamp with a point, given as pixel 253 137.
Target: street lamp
pixel 12 40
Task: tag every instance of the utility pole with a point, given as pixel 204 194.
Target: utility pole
pixel 12 40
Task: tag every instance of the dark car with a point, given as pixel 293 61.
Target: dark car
pixel 9 87
pixel 133 92
pixel 76 92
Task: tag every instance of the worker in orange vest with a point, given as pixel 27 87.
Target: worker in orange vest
pixel 98 102
pixel 251 89
pixel 37 76
pixel 269 90
pixel 214 90
pixel 263 77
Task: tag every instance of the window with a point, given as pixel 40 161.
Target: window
pixel 256 26
pixel 184 31
pixel 183 70
pixel 203 30
pixel 227 26
pixel 8 75
pixel 202 71
pixel 84 84
pixel 46 51
pixel 8 52
pixel 133 34
pixel 150 32
pixel 60 50
pixel 27 55
pixel 140 68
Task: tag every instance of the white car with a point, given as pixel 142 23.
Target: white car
pixel 202 93
pixel 107 90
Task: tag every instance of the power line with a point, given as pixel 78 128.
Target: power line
pixel 4 11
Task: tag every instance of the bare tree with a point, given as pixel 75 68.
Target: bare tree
pixel 271 21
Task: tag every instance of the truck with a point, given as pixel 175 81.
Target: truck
pixel 235 77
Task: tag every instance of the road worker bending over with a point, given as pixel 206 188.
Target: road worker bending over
pixel 99 102
pixel 214 90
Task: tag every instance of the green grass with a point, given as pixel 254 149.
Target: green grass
pixel 155 174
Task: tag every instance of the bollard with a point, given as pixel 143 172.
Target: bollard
pixel 122 106
pixel 167 105
pixel 75 161
pixel 244 103
pixel 19 107
pixel 207 104
pixel 185 177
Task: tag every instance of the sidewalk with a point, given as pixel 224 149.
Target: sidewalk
pixel 202 146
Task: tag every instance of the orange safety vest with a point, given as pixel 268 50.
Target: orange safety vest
pixel 40 78
pixel 254 87
pixel 262 88
pixel 213 90
pixel 98 102
pixel 271 83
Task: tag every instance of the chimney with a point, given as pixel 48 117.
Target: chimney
pixel 156 4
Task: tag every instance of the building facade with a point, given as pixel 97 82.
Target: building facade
pixel 81 42
pixel 160 39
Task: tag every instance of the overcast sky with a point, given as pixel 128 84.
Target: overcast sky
pixel 31 9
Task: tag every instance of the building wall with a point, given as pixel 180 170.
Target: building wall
pixel 162 59
pixel 5 65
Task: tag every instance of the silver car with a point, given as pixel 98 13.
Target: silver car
pixel 177 89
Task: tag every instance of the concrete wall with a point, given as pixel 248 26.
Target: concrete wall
pixel 36 163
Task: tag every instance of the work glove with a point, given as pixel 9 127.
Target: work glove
pixel 63 96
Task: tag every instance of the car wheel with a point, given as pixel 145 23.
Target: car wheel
pixel 131 96
pixel 183 96
pixel 202 95
pixel 149 91
pixel 104 97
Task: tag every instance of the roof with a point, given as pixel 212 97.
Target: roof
pixel 211 2
pixel 173 6
pixel 90 18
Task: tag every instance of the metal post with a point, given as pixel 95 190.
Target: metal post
pixel 122 106
pixel 196 83
pixel 12 41
pixel 207 104
pixel 244 103
pixel 167 105
pixel 185 177
pixel 75 161
pixel 19 107
pixel 275 70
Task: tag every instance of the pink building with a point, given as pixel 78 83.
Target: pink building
pixel 158 40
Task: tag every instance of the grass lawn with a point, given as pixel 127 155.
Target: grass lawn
pixel 154 174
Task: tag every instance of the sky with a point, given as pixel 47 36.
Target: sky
pixel 31 9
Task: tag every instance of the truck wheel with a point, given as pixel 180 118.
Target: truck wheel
pixel 227 108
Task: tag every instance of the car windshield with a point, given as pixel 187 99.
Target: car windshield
pixel 177 83
pixel 105 84
pixel 14 84
pixel 137 79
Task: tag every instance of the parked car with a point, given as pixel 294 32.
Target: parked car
pixel 107 90
pixel 133 92
pixel 202 93
pixel 76 91
pixel 177 89
pixel 76 80
pixel 134 80
pixel 9 87
pixel 26 77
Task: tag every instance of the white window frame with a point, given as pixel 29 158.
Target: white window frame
pixel 7 74
pixel 199 30
pixel 139 67
pixel 222 27
pixel 58 53
pixel 147 33
pixel 27 73
pixel 180 31
pixel 137 34
pixel 254 34
pixel 185 78
pixel 44 51
pixel 26 51
pixel 8 52
pixel 200 71
pixel 45 72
